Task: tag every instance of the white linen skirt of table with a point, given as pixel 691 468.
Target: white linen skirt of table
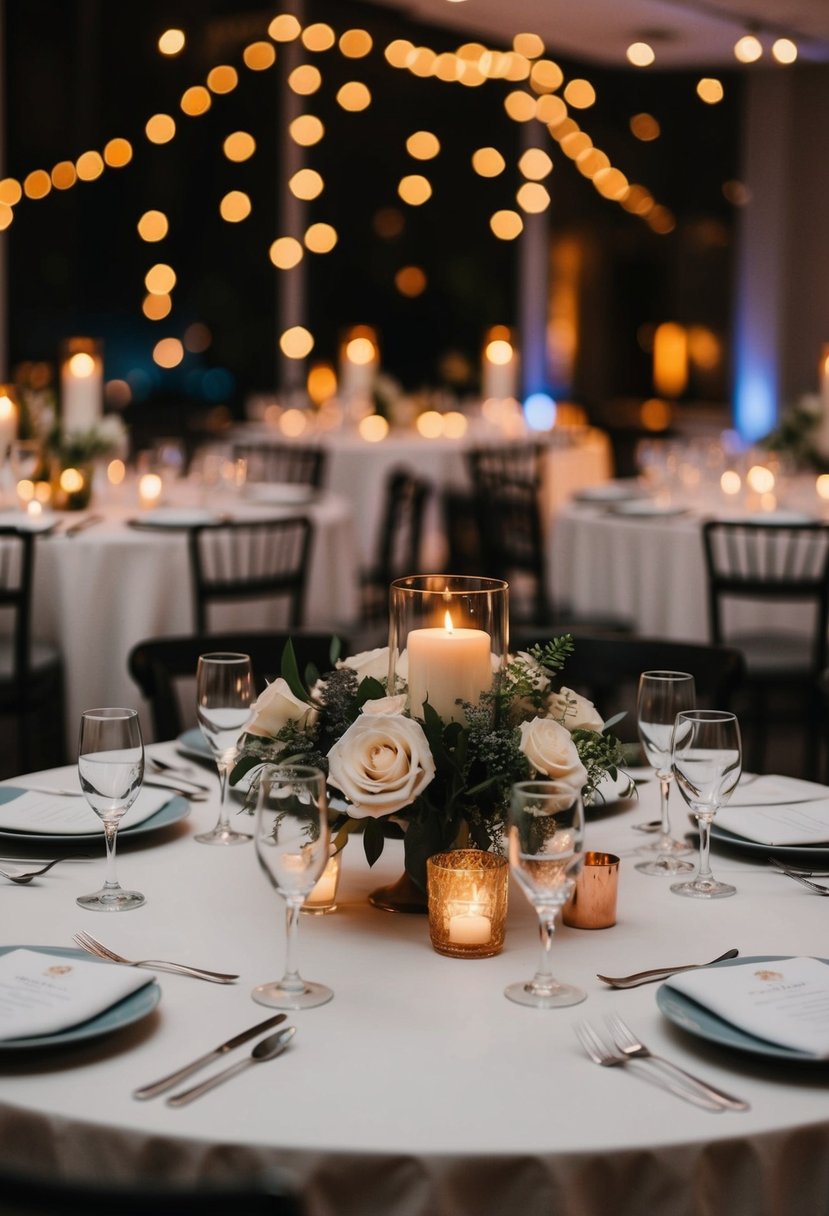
pixel 419 1090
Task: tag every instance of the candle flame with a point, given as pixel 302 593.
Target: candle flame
pixel 447 621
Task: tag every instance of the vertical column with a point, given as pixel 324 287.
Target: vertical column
pixel 291 303
pixel 533 270
pixel 4 237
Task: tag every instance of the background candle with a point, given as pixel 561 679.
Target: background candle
pixel 81 386
pixel 446 665
pixel 8 422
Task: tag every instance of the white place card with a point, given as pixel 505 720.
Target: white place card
pixel 804 823
pixel 770 788
pixel 784 1001
pixel 43 994
pixel 59 815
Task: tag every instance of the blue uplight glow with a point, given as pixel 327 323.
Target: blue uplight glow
pixel 540 412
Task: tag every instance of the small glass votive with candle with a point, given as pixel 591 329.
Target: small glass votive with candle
pixel 323 897
pixel 468 891
pixel 150 486
pixel 448 639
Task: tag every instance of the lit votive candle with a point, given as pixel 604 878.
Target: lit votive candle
pixel 34 508
pixel 447 665
pixel 149 490
pixel 470 929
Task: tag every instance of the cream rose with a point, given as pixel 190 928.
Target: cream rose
pixel 373 663
pixel 276 707
pixel 386 705
pixel 575 712
pixel 381 764
pixel 550 750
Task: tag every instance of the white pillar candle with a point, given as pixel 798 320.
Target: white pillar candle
pixel 81 389
pixel 822 433
pixel 447 665
pixel 8 423
pixel 470 929
pixel 359 364
pixel 499 378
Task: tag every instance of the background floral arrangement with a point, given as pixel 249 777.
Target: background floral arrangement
pixel 446 784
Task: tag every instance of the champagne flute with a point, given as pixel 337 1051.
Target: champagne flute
pixel 707 761
pixel 292 840
pixel 224 695
pixel 111 769
pixel 546 837
pixel 662 694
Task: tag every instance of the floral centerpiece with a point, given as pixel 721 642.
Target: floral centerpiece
pixel 445 784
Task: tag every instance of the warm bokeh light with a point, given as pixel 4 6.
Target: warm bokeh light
pixel 423 145
pixel 296 342
pixel 239 146
pixel 748 49
pixel 71 480
pixel 640 54
pixel 195 100
pixel 455 424
pixel 731 482
pixel 611 183
pixel 11 190
pixel 354 96
pixel 430 424
pixel 784 50
pixel 360 350
pixel 670 359
pixel 388 223
pixel 197 338
pixel 533 198
pixel 499 351
pixel 81 365
pixel 222 79
pixel 293 423
pixel 235 206
pixel 305 79
pixel 286 252
pixel 318 37
pixel 284 28
pixel 64 175
pixel 259 56
pixel 506 225
pixel 373 428
pixel 705 348
pixel 590 160
pixel 580 94
pixel 760 479
pixel 414 189
pixel 398 51
pixel 410 281
pixel 520 106
pixel 655 414
pixel 645 127
pixel 320 238
pixel 710 90
pixel 574 143
pixel 321 383
pixel 117 153
pixel 488 162
pixel 306 130
pixel 89 166
pixel 157 307
pixel 422 62
pixel 535 164
pixel 116 469
pixel 662 220
pixel 160 279
pixel 150 487
pixel 153 226
pixel 355 44
pixel 822 486
pixel 172 42
pixel 160 129
pixel 528 45
pixel 6 216
pixel 306 184
pixel 737 193
pixel 168 352
pixel 550 110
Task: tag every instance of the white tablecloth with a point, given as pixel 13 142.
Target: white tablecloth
pixel 420 1090
pixel 98 593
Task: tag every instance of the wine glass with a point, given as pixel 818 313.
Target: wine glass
pixel 111 769
pixel 707 761
pixel 224 695
pixel 292 840
pixel 662 694
pixel 546 837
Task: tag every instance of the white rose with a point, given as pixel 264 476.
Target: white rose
pixel 373 663
pixel 277 706
pixel 550 750
pixel 386 705
pixel 381 764
pixel 575 712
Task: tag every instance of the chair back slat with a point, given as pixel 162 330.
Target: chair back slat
pixel 292 463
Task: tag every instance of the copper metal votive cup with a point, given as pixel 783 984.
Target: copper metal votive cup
pixel 593 903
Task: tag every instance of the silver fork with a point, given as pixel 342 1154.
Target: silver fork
pixel 627 1043
pixel 93 946
pixel 817 887
pixel 600 1053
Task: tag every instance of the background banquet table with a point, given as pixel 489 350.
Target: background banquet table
pixel 98 593
pixel 419 1090
pixel 358 470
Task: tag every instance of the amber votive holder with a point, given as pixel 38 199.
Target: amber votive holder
pixel 467 891
pixel 593 902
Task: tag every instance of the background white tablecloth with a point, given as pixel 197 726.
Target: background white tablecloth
pixel 420 1090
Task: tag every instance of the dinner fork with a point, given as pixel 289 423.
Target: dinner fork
pixel 93 946
pixel 626 1042
pixel 27 875
pixel 817 887
pixel 600 1053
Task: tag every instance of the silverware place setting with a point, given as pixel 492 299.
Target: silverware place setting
pixel 181 1074
pixel 92 946
pixel 659 973
pixel 24 876
pixel 265 1049
pixel 801 876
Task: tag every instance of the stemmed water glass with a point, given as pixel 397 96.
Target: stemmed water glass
pixel 707 762
pixel 224 695
pixel 111 769
pixel 662 694
pixel 546 837
pixel 292 847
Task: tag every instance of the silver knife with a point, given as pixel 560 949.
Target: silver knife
pixel 83 524
pixel 160 1087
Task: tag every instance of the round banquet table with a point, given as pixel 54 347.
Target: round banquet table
pixel 420 1090
pixel 98 593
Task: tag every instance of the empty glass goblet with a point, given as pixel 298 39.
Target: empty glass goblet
pixel 292 845
pixel 707 762
pixel 546 838
pixel 662 694
pixel 111 769
pixel 224 695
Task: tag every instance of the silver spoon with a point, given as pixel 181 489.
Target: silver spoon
pixel 650 825
pixel 265 1049
pixel 658 973
pixel 22 877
